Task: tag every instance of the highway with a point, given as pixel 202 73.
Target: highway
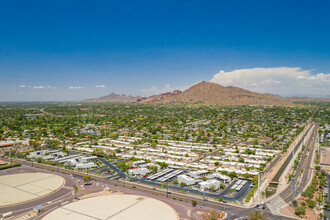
pixel 296 187
pixel 234 211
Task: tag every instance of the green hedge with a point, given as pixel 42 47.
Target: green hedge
pixel 10 166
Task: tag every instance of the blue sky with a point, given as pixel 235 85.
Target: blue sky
pixel 71 50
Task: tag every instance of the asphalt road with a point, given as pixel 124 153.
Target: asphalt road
pixel 289 193
pixel 234 211
pixel 272 164
pixel 23 207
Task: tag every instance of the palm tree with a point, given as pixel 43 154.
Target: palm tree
pixel 75 188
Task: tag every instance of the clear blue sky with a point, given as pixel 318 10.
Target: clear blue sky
pixel 145 47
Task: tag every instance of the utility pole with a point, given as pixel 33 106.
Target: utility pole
pixel 293 157
pixel 259 188
pixel 318 143
pixel 203 196
pixel 294 186
pixel 167 189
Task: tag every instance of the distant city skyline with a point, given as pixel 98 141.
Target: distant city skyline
pixel 72 50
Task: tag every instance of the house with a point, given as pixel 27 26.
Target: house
pixel 48 157
pixel 187 180
pixel 6 143
pixel 138 172
pixel 208 184
pixel 85 165
pixel 138 163
pixel 217 176
pixel 198 174
pixel 2 163
pixel 46 154
pixel 147 165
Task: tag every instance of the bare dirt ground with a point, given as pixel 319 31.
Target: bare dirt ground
pixel 325 155
pixel 289 211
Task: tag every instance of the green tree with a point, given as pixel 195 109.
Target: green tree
pixel 75 188
pixel 294 202
pixel 39 159
pixel 164 184
pixel 153 168
pixel 232 174
pixel 213 187
pixel 87 178
pixel 183 184
pixel 311 203
pixel 257 216
pixel 211 215
pixel 300 211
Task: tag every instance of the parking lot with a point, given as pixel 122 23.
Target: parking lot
pixel 243 186
pixel 104 171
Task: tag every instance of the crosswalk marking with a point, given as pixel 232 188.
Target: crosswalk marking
pixel 275 204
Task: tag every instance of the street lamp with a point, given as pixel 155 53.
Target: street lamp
pixel 294 186
pixel 167 189
pixel 259 188
pixel 203 190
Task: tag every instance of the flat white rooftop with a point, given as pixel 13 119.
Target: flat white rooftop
pixel 115 207
pixel 23 187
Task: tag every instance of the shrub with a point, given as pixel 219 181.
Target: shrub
pixel 311 203
pixel 308 192
pixel 295 203
pixel 10 166
pixel 300 210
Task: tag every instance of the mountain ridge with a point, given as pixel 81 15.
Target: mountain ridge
pixel 114 97
pixel 210 93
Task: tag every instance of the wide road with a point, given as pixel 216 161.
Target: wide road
pixel 295 188
pixel 234 211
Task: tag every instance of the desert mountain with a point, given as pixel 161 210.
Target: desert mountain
pixel 113 97
pixel 301 98
pixel 212 93
pixel 159 98
pixel 306 99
